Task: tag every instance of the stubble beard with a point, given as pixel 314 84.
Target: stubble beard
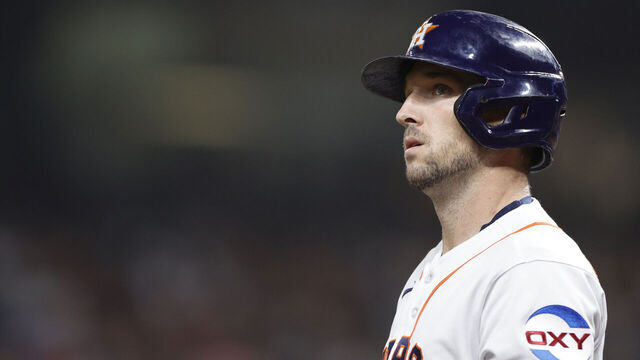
pixel 443 164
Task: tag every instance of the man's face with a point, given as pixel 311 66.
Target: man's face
pixel 436 146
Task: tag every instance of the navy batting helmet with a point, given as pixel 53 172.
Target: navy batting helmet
pixel 521 74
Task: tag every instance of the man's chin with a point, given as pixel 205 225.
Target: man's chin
pixel 425 171
pixel 422 177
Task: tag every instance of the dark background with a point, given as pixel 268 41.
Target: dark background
pixel 204 180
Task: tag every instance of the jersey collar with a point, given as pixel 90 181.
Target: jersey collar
pixel 506 221
pixel 512 206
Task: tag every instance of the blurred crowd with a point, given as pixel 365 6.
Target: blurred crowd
pixel 192 274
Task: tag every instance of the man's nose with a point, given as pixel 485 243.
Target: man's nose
pixel 405 116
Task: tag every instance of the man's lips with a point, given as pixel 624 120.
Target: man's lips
pixel 411 142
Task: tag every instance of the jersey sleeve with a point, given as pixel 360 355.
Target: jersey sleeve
pixel 543 310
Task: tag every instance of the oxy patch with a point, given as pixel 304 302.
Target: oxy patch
pixel 557 332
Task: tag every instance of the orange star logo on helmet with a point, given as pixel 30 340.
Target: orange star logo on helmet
pixel 418 37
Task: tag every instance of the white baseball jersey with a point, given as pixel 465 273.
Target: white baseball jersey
pixel 519 289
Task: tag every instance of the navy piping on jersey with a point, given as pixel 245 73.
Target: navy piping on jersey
pixel 406 292
pixel 514 205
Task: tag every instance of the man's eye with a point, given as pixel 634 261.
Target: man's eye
pixel 440 89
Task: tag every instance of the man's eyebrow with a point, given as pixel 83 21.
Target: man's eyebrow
pixel 434 75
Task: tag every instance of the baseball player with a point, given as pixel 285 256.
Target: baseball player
pixel 482 102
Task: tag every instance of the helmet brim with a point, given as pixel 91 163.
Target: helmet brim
pixel 385 76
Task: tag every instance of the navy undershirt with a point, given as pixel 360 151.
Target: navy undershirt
pixel 514 205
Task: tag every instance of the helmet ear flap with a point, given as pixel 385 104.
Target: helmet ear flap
pixel 529 120
pixel 468 110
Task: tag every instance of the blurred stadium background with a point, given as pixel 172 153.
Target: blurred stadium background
pixel 209 180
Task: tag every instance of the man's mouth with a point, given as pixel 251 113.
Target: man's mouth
pixel 411 142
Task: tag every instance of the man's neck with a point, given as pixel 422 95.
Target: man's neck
pixel 469 201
